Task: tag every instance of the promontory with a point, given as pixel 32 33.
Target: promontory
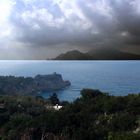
pixel 32 85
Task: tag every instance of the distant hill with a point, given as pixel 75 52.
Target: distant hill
pixel 98 54
pixel 74 55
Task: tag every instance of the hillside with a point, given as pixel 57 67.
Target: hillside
pixel 94 116
pixel 98 54
pixel 73 55
pixel 31 85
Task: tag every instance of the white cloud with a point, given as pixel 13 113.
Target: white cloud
pixel 36 27
pixel 41 15
pixel 136 5
pixel 5 8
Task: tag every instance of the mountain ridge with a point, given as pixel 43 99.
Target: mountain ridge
pixel 98 54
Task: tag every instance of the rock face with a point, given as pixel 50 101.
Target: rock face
pixel 29 85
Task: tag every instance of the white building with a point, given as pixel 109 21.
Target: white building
pixel 57 107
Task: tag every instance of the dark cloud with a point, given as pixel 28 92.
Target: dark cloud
pixel 61 29
pixel 62 24
pixel 127 16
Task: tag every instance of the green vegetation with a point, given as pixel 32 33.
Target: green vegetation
pixel 93 116
pixel 12 85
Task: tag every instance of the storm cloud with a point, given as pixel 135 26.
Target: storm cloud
pixel 46 28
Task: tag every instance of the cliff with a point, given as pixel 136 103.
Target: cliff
pixel 32 85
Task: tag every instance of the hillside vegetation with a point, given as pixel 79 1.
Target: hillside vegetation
pixel 93 116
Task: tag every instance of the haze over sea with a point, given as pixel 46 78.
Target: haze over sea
pixel 115 77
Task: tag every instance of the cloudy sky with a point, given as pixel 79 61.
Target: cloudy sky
pixel 40 29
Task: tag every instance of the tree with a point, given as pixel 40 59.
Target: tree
pixel 54 99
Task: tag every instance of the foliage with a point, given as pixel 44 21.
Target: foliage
pixel 95 115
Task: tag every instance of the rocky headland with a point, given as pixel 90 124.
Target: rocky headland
pixel 32 85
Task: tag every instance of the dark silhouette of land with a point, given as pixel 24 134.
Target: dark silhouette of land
pixel 31 85
pixel 98 54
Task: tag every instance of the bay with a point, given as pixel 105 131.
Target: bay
pixel 115 77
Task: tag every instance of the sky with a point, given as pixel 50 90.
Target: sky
pixel 41 29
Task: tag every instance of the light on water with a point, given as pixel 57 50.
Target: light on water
pixel 115 77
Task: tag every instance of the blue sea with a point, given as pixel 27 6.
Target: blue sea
pixel 114 77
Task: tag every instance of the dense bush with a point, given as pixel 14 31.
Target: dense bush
pixel 93 116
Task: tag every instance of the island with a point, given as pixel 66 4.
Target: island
pixel 32 85
pixel 98 54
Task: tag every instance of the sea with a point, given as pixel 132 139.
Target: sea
pixel 117 78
